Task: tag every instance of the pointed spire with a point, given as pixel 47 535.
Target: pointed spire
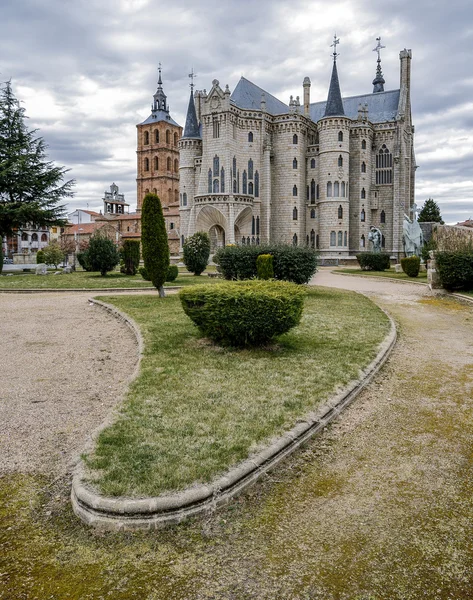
pixel 378 81
pixel 191 130
pixel 160 98
pixel 334 106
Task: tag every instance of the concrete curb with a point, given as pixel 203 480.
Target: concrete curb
pixel 87 290
pixel 380 278
pixel 118 514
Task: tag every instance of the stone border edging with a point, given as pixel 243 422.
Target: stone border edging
pixel 118 514
pixel 85 290
pixel 380 277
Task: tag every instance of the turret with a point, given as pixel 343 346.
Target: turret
pixel 306 86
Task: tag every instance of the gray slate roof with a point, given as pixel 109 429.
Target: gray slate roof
pixel 334 104
pixel 191 129
pixel 160 115
pixel 248 95
pixel 382 106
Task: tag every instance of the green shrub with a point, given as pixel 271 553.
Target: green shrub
pixel 83 260
pixel 455 270
pixel 264 266
pixel 130 254
pixel 196 252
pixel 154 240
pixel 53 254
pixel 39 257
pixel 144 273
pixel 373 261
pixel 173 272
pixel 102 254
pixel 411 265
pixel 244 313
pixel 290 263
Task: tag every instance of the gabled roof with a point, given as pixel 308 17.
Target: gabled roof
pixel 382 106
pixel 248 95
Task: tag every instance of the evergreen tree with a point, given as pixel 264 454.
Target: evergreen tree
pixel 131 256
pixel 154 242
pixel 430 212
pixel 102 254
pixel 52 254
pixel 196 252
pixel 31 187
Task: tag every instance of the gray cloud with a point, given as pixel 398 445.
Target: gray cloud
pixel 87 71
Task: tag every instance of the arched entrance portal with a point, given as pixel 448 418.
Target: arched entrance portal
pixel 217 238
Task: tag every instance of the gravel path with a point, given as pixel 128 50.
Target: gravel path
pixel 65 365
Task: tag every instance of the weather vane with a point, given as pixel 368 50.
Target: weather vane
pixel 334 45
pixel 378 48
pixel 192 75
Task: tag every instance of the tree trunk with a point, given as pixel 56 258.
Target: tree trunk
pixel 161 291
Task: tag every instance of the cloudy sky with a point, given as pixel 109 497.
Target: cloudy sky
pixel 86 70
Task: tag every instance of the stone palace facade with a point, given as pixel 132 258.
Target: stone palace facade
pixel 254 169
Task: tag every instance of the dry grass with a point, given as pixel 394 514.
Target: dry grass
pixel 197 408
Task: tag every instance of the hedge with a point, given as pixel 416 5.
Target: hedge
pixel 455 270
pixel 264 266
pixel 411 265
pixel 290 263
pixel 373 261
pixel 244 313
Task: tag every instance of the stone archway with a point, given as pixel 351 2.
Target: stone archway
pixel 217 237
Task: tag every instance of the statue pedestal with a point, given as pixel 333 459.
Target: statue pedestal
pixel 433 278
pixel 398 268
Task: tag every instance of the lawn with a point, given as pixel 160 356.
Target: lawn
pixel 90 281
pixel 196 409
pixel 391 273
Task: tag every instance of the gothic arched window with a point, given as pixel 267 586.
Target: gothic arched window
pixel 383 217
pixel 343 193
pixel 250 188
pixel 312 238
pixel 295 139
pixel 294 190
pixel 345 239
pixel 253 226
pixel 340 238
pixel 156 136
pixel 340 161
pixel 256 184
pixel 312 213
pixel 184 199
pixel 336 189
pixel 216 165
pixel 146 140
pixel 257 225
pixel 363 144
pixel 294 163
pixel 250 169
pixel 250 136
pixel 362 215
pixel 209 181
pixel 146 164
pixel 329 189
pixel 363 167
pixel 245 185
pixel 294 239
pixel 363 194
pixel 362 241
pixel 222 180
pixel 215 186
pixel 340 136
pixel 333 238
pixel 317 193
pixel 312 163
pixel 340 212
pixel 312 191
pixel 294 214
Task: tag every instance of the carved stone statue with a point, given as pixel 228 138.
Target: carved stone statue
pixel 412 237
pixel 375 237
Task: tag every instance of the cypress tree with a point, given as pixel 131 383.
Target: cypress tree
pixel 154 242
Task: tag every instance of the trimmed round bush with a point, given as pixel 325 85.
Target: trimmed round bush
pixel 290 263
pixel 173 272
pixel 411 265
pixel 39 257
pixel 373 261
pixel 264 266
pixel 244 313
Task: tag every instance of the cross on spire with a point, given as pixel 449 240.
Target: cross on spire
pixel 334 46
pixel 159 77
pixel 192 75
pixel 379 48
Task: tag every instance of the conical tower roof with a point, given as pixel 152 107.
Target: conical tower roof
pixel 334 106
pixel 191 129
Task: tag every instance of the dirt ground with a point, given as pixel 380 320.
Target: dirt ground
pixel 379 507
